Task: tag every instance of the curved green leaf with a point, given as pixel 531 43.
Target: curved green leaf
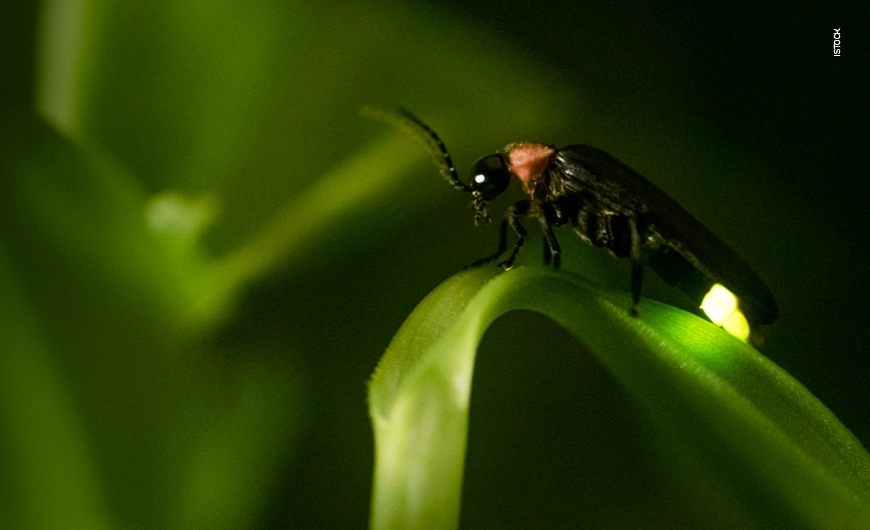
pixel 769 446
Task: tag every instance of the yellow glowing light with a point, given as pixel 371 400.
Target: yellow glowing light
pixel 736 324
pixel 720 304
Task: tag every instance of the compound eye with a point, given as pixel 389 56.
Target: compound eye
pixel 490 176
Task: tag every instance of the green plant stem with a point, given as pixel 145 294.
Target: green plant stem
pixel 357 183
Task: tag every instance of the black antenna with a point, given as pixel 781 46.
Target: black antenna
pixel 410 123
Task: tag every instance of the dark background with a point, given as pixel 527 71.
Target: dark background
pixel 740 112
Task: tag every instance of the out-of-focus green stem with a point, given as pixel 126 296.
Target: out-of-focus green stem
pixel 355 184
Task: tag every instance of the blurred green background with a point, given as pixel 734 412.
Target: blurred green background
pixel 204 250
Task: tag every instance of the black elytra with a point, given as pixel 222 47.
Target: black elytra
pixel 609 205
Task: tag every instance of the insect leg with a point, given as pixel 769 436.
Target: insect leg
pixel 546 219
pixel 502 246
pixel 514 213
pixel 636 266
pixel 511 218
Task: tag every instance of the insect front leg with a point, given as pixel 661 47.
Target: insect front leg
pixel 502 246
pixel 514 213
pixel 636 266
pixel 518 210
